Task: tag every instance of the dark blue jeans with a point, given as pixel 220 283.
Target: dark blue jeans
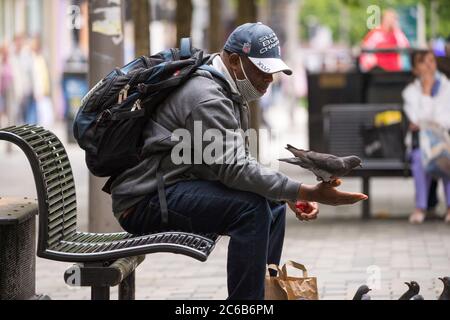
pixel 254 224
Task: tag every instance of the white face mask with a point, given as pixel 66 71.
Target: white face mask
pixel 246 88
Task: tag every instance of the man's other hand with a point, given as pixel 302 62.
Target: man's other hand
pixel 305 211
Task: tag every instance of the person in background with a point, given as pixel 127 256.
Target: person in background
pixel 5 84
pixel 426 99
pixel 23 101
pixel 2 94
pixel 41 84
pixel 266 102
pixel 387 36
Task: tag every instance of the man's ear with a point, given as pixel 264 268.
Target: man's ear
pixel 233 59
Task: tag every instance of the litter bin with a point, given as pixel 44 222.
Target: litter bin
pixel 17 249
pixel 75 87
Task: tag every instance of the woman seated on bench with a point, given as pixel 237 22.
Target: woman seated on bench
pixel 426 99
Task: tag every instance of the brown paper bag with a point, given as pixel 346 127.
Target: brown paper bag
pixel 284 287
pixel 273 289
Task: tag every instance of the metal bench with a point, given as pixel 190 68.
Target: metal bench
pixel 342 134
pixel 104 259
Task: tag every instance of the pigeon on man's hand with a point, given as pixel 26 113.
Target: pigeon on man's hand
pixel 362 293
pixel 445 295
pixel 326 167
pixel 413 290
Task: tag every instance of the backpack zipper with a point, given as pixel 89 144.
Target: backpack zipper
pixel 104 115
pixel 137 105
pixel 123 94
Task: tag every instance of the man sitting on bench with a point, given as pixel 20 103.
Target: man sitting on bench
pixel 237 198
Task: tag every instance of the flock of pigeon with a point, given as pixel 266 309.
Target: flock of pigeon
pixel 411 294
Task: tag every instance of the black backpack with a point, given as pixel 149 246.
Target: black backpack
pixel 110 122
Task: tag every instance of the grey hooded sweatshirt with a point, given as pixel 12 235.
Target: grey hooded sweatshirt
pixel 197 107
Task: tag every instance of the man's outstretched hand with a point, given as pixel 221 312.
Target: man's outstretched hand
pixel 326 193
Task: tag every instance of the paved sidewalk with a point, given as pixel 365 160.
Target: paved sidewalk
pixel 343 254
pixel 338 248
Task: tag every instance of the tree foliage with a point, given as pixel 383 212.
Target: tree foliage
pixel 350 16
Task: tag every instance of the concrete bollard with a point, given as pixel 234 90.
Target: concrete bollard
pixel 17 249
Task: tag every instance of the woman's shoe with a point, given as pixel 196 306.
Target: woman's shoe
pixel 417 217
pixel 447 219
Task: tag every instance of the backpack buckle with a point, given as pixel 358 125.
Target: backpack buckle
pixel 137 105
pixel 123 94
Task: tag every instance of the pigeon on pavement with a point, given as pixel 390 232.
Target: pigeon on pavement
pixel 362 292
pixel 366 297
pixel 326 167
pixel 445 295
pixel 413 290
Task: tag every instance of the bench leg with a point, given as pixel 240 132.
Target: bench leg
pixel 366 214
pixel 100 293
pixel 127 288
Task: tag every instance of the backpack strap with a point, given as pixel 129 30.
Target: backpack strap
pixel 188 67
pixel 107 187
pixel 161 185
pixel 220 79
pixel 162 198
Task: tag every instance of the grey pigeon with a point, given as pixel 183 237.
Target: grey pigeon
pixel 413 290
pixel 417 297
pixel 362 293
pixel 445 295
pixel 326 167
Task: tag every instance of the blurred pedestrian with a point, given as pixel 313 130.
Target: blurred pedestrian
pixel 6 83
pixel 41 85
pixel 266 102
pixel 387 36
pixel 426 99
pixel 21 62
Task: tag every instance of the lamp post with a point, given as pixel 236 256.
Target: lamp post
pixel 75 75
pixel 106 52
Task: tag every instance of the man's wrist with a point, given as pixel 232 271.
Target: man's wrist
pixel 305 193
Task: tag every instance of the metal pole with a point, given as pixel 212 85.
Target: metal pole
pixel 216 38
pixel 100 293
pixel 434 18
pixel 292 43
pixel 106 52
pixel 141 19
pixel 366 214
pixel 248 12
pixel 127 287
pixel 183 19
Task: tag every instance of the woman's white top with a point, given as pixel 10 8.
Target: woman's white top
pixel 422 108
